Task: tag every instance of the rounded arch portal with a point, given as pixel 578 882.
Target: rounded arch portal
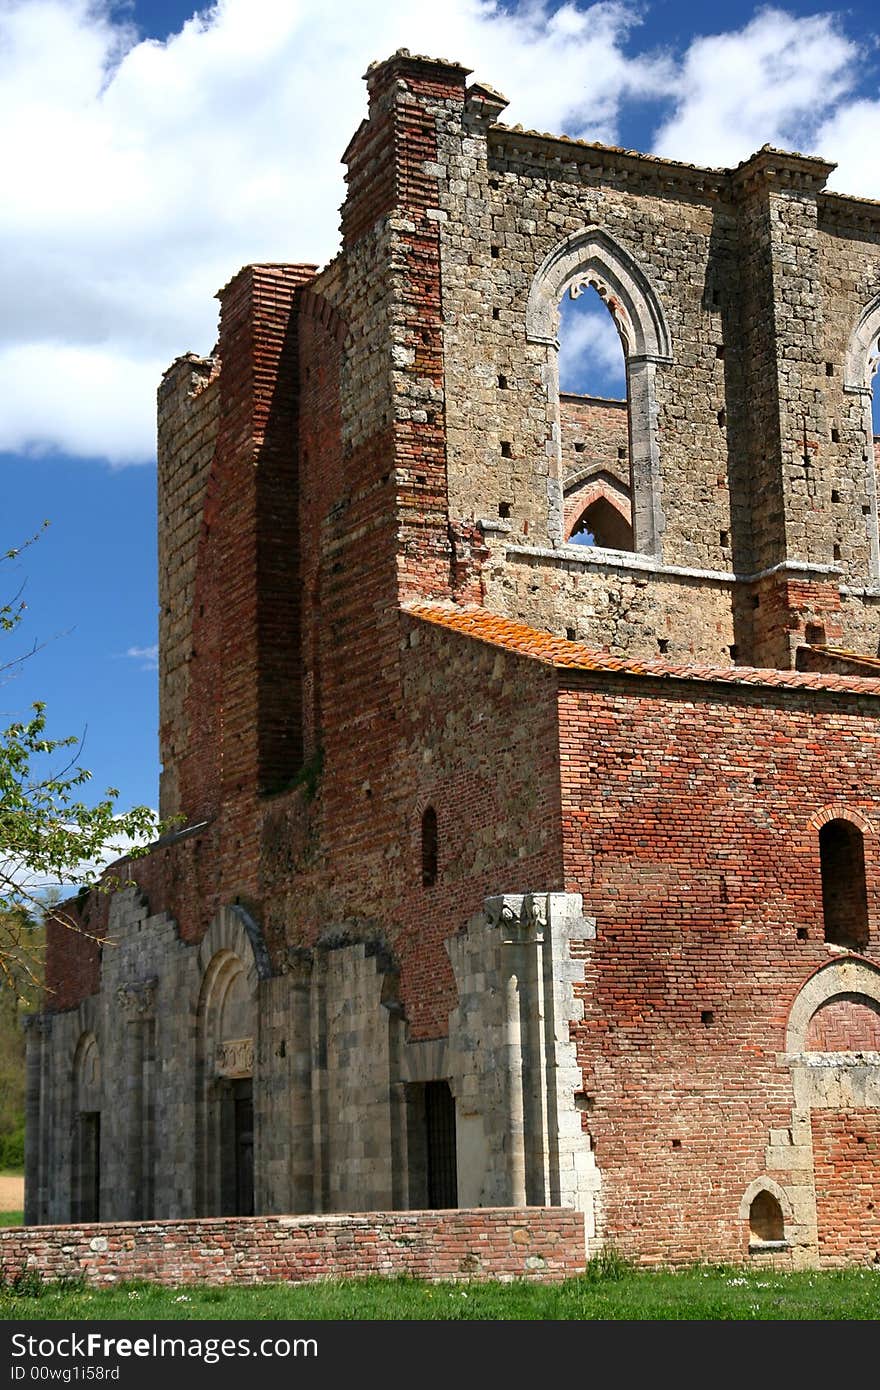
pixel 86 1148
pixel 232 961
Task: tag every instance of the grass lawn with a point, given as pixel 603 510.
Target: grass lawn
pixel 11 1218
pixel 609 1291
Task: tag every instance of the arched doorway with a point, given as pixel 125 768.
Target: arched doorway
pixel 226 1070
pixel 86 1155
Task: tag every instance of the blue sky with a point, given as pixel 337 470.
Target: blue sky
pixel 152 155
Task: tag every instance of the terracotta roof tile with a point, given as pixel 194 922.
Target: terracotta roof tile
pixel 558 652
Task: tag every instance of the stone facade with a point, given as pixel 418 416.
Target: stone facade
pixel 512 868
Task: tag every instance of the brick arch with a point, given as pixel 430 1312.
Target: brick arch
pixel 591 257
pixel 838 810
pixel 850 977
pixel 592 494
pixel 312 305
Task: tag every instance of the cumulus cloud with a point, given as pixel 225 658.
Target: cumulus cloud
pixel 590 354
pixel 142 174
pixel 770 82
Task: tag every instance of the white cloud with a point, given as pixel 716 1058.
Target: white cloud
pixel 140 175
pixel 143 174
pixel 147 656
pixel 852 137
pixel 590 353
pixel 770 82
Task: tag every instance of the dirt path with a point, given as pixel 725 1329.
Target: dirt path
pixel 11 1194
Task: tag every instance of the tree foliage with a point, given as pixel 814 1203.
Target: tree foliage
pixel 48 834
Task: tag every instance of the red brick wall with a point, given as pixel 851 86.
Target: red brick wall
pixel 536 1243
pixel 687 827
pixel 845 1025
pixel 846 1162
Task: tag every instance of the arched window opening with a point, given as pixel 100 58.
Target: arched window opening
pixel 603 525
pixel 844 889
pixel 594 406
pixel 429 847
pixel 766 1222
pixel 859 381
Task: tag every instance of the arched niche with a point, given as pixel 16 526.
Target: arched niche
pixel 767 1208
pixel 592 258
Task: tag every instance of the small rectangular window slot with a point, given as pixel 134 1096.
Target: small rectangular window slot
pixel 506 450
pixel 496 313
pixel 707 1018
pixel 756 601
pixel 621 451
pixel 502 383
pixel 829 369
pixel 835 495
pixel 676 1143
pixel 719 350
pixel 663 644
pixel 835 436
pixel 504 510
pixel 496 252
pixel 734 652
pixel 579 447
pixel 836 552
pixel 571 634
pixel 722 418
pixel 724 537
pixel 801 934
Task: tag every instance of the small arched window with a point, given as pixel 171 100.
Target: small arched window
pixel 429 847
pixel 602 524
pixel 844 889
pixel 766 1222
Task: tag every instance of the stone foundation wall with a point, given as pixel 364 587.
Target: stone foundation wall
pixel 535 1243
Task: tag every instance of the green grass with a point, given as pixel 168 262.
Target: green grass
pixel 11 1218
pixel 609 1290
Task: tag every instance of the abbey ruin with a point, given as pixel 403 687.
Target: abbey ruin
pixel 512 870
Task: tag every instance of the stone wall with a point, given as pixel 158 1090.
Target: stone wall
pixel 535 1243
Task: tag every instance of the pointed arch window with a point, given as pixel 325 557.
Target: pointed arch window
pixel 591 263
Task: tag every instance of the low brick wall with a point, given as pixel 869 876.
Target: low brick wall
pixel 501 1243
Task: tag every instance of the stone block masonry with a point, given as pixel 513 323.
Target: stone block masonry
pixel 537 1243
pixel 510 870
